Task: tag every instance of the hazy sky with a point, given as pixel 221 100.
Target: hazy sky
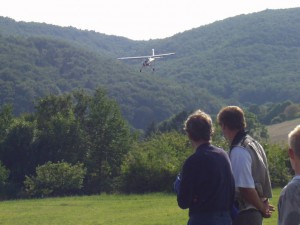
pixel 135 19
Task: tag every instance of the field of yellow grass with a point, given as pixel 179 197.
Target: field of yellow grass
pixel 278 132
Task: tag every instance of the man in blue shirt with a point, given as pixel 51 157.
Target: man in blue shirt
pixel 206 183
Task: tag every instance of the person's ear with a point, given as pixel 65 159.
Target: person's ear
pixel 291 153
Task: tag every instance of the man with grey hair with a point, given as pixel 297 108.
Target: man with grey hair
pixel 289 200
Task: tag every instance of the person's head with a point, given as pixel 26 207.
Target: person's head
pixel 294 147
pixel 199 126
pixel 232 117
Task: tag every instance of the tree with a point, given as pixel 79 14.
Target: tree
pixel 59 132
pixel 152 165
pixel 292 111
pixel 4 173
pixel 175 123
pixel 6 119
pixel 56 179
pixel 279 164
pixel 16 151
pixel 256 129
pixel 108 142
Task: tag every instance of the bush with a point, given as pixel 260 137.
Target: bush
pixel 56 179
pixel 152 165
pixel 279 164
pixel 3 179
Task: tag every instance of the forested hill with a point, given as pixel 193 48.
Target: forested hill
pixel 250 58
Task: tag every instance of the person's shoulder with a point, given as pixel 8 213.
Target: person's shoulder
pixel 191 158
pixel 293 185
pixel 250 141
pixel 217 148
pixel 239 150
pixel 238 147
pixel 292 188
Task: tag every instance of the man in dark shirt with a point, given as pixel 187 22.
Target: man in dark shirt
pixel 206 182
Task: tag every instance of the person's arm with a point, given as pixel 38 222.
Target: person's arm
pixel 184 196
pixel 241 164
pixel 251 196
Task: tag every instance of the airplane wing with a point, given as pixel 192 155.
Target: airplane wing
pixel 136 57
pixel 147 56
pixel 165 54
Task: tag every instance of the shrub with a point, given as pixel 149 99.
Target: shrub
pixel 279 164
pixel 55 179
pixel 152 165
pixel 3 179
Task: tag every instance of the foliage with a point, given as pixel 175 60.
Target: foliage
pixel 16 150
pixel 56 179
pixel 256 129
pixel 241 60
pixel 108 141
pixel 5 120
pixel 59 132
pixel 152 165
pixel 272 113
pixel 36 67
pixel 174 123
pixel 4 173
pixel 279 164
pixel 74 127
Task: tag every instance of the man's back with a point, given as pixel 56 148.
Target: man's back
pixel 207 182
pixel 289 203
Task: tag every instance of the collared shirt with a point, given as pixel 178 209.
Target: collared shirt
pixel 241 168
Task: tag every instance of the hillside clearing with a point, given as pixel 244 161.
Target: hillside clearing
pixel 279 132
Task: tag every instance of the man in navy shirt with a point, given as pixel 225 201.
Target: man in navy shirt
pixel 206 181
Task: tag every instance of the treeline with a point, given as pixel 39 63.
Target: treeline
pixel 79 143
pixel 272 113
pixel 72 128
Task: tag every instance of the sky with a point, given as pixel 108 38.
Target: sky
pixel 135 19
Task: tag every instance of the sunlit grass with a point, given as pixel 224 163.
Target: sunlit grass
pixel 148 209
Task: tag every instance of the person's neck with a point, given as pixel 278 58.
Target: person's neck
pixel 297 168
pixel 232 134
pixel 196 144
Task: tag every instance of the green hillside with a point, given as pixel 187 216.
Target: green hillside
pixel 34 67
pixel 247 59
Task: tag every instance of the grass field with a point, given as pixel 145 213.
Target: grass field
pixel 148 209
pixel 279 132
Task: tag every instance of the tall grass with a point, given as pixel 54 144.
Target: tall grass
pixel 148 209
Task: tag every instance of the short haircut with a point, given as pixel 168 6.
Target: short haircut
pixel 294 140
pixel 232 117
pixel 199 126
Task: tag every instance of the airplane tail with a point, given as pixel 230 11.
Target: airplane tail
pixel 153 52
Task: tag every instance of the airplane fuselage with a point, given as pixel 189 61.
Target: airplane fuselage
pixel 148 61
pixel 149 58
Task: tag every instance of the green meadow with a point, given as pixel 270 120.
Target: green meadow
pixel 147 209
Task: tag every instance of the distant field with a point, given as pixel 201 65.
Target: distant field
pixel 148 209
pixel 278 132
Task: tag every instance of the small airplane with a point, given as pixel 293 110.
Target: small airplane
pixel 148 59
